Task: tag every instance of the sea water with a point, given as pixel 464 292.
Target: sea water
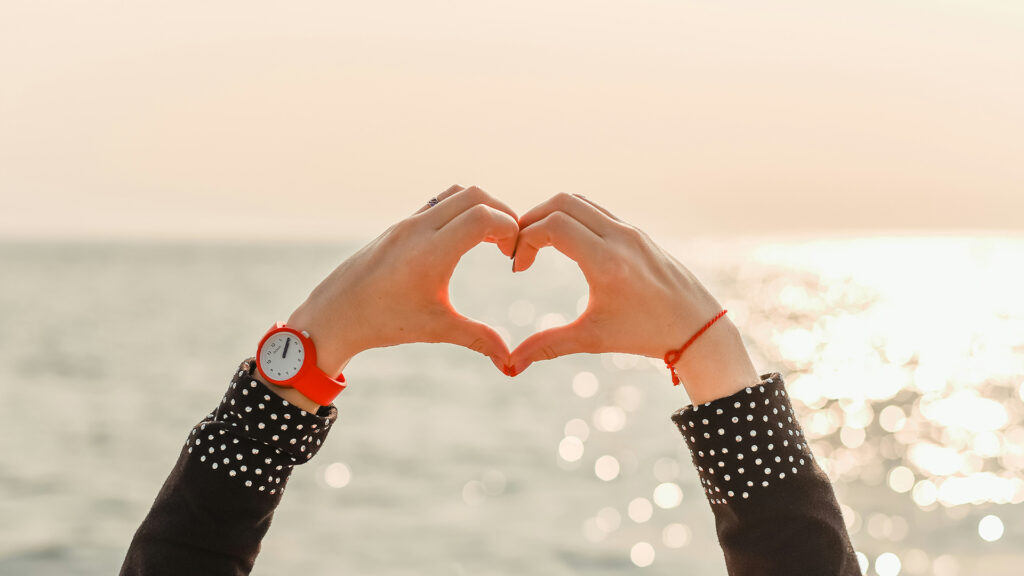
pixel 904 356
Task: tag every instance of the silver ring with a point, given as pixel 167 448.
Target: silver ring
pixel 432 202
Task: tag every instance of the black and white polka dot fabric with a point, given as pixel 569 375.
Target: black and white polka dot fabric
pixel 775 510
pixel 747 443
pixel 255 437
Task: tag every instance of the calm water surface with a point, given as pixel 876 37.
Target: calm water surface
pixel 904 356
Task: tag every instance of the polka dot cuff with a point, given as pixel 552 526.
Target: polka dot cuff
pixel 745 444
pixel 256 437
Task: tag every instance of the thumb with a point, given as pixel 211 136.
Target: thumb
pixel 476 336
pixel 573 338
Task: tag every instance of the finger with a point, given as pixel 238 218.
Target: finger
pixel 480 223
pixel 583 211
pixel 574 338
pixel 451 190
pixel 565 234
pixel 604 210
pixel 448 209
pixel 476 336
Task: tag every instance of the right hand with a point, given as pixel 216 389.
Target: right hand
pixel 395 289
pixel 642 300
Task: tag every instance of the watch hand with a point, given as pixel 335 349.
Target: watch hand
pixel 286 343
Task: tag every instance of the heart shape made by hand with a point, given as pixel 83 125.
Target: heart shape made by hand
pixel 518 306
pixel 398 289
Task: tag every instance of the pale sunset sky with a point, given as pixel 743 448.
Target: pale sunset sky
pixel 329 119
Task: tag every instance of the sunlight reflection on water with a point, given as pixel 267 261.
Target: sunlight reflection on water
pixel 940 338
pixel 905 359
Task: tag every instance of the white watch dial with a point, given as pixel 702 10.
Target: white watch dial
pixel 281 356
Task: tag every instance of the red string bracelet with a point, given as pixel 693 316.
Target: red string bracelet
pixel 672 356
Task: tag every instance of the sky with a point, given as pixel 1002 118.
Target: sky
pixel 331 119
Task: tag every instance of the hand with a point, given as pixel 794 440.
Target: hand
pixel 395 289
pixel 642 300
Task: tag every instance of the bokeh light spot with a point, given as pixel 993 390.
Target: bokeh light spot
pixel 570 449
pixel 640 510
pixel 609 418
pixel 887 564
pixel 990 528
pixel 668 495
pixel 676 535
pixel 606 468
pixel 577 427
pixel 925 493
pixel 584 384
pixel 337 475
pixel 892 419
pixel 901 479
pixel 642 554
pixel 863 562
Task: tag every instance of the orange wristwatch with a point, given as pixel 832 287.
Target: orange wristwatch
pixel 287 357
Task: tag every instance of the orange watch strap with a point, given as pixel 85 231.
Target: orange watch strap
pixel 310 380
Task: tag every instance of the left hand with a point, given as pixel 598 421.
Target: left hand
pixel 395 289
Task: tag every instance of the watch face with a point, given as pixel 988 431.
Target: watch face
pixel 281 356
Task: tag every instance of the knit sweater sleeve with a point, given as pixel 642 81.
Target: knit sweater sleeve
pixel 218 501
pixel 775 510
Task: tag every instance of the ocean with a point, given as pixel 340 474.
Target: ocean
pixel 904 356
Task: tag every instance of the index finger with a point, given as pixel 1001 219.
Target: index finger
pixel 450 207
pixel 598 221
pixel 481 223
pixel 565 234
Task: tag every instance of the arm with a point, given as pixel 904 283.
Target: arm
pixel 775 511
pixel 218 501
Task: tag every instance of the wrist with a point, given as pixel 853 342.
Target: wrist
pixel 307 380
pixel 717 364
pixel 333 353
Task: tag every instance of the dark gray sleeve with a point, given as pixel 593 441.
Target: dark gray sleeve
pixel 775 510
pixel 218 501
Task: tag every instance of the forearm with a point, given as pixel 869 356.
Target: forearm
pixel 775 510
pixel 218 501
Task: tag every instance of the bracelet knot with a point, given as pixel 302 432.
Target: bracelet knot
pixel 673 356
